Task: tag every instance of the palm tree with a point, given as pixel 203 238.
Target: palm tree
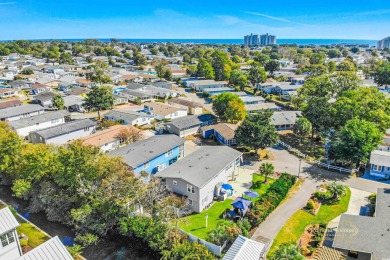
pixel 266 169
pixel 288 251
pixel 337 190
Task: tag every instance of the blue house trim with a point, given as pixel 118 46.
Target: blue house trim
pixel 161 161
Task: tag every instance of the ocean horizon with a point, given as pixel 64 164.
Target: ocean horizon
pixel 230 41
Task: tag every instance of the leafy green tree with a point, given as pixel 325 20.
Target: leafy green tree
pixel 317 70
pixel 331 66
pixel 97 73
pixel 27 72
pixel 318 58
pixel 99 98
pixel 346 65
pixel 10 149
pixel 257 131
pixel 334 53
pixel 238 78
pixel 337 190
pixel 256 74
pixel 355 141
pixel 204 69
pixel 354 49
pixel 229 107
pixel 363 103
pixel 382 75
pixel 302 127
pixel 319 112
pixel 263 59
pixel 288 251
pixel 272 66
pixel 266 169
pixel 221 65
pixel 58 102
pixel 66 58
pixel 168 75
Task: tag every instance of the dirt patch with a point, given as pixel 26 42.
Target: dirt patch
pixel 311 238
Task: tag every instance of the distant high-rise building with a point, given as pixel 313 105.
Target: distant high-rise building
pixel 384 43
pixel 256 39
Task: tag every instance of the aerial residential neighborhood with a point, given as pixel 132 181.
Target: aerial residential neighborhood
pixel 234 132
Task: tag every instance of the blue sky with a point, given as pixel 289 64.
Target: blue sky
pixel 196 19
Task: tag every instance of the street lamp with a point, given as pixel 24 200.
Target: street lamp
pixel 207 216
pixel 299 170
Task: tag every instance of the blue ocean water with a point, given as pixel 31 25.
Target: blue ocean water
pixel 241 41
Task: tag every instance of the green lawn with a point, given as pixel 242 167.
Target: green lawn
pixel 295 226
pixel 35 237
pixel 196 223
pixel 259 186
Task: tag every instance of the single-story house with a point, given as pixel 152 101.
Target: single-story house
pixel 252 100
pixel 8 92
pixel 199 85
pixel 10 103
pixel 380 164
pixel 188 125
pixel 153 154
pixel 146 92
pixel 26 125
pixel 193 108
pixel 66 86
pixel 39 88
pixel 284 120
pixel 44 99
pixel 163 84
pixel 64 133
pixel 106 139
pixel 298 80
pixel 363 237
pixel 222 132
pixel 20 84
pixel 73 103
pixel 254 108
pixel 162 111
pixel 284 89
pixel 129 117
pixel 217 91
pixel 84 82
pixel 118 100
pixel 78 91
pixel 19 112
pixel 198 175
pixel 245 248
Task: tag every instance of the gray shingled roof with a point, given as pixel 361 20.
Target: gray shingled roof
pixel 143 151
pixel 65 128
pixel 38 119
pixel 190 121
pixel 20 110
pixel 285 117
pixel 52 249
pixel 367 234
pixel 127 115
pixel 8 221
pixel 201 166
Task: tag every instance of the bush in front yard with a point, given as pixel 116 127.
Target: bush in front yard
pixel 269 201
pixel 310 205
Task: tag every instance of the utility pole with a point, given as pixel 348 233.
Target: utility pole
pixel 299 170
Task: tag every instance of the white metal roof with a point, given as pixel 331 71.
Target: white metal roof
pixel 244 249
pixel 8 221
pixel 381 158
pixel 52 249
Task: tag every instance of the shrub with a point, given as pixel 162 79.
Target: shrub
pixel 310 205
pixel 320 195
pixel 23 242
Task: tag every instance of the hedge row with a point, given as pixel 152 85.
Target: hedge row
pixel 270 200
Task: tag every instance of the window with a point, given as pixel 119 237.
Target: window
pixel 146 165
pixel 174 182
pixel 55 121
pixel 86 129
pixel 7 239
pixel 189 201
pixel 169 153
pixel 377 168
pixel 190 188
pixel 204 200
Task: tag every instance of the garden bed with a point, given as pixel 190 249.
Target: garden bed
pixel 312 206
pixel 312 238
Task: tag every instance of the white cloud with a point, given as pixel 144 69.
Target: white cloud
pixel 277 18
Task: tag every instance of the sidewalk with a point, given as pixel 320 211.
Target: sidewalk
pixel 274 222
